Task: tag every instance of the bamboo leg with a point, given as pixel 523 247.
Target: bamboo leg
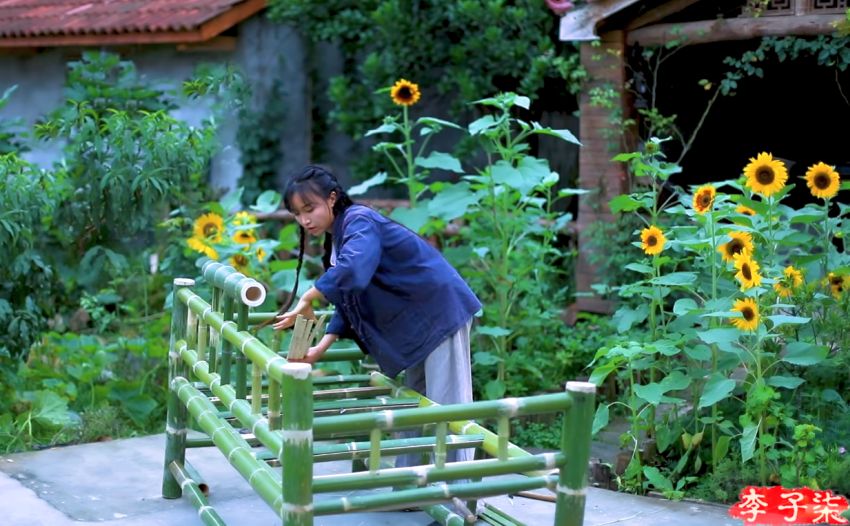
pixel 575 444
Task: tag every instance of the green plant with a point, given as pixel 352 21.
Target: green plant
pixel 460 50
pixel 259 144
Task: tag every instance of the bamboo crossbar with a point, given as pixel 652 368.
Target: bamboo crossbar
pixel 286 409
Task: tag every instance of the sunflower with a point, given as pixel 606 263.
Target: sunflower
pixel 791 279
pixel 261 254
pixel 765 175
pixel 748 271
pixel 244 218
pixel 198 245
pixel 823 181
pixel 704 198
pixel 741 243
pixel 749 320
pixel 652 240
pixel 239 262
pixel 209 227
pixel 245 237
pixel 837 284
pixel 405 93
pixel 747 211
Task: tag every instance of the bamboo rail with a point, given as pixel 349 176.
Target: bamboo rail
pixel 262 411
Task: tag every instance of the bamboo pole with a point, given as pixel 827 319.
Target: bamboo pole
pixel 430 495
pixel 296 456
pixel 420 475
pixel 175 426
pixel 444 515
pixel 215 336
pixel 575 445
pixel 241 362
pixel 259 475
pixel 226 353
pixel 274 403
pixel 191 486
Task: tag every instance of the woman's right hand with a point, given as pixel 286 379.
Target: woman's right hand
pixel 287 319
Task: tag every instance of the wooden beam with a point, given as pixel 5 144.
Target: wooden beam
pixel 217 44
pixel 659 13
pixel 231 17
pixel 580 24
pixel 734 29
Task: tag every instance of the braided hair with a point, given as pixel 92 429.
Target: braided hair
pixel 319 181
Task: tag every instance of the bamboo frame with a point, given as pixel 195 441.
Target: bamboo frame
pixel 294 400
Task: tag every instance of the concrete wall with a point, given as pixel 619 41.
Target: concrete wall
pixel 264 52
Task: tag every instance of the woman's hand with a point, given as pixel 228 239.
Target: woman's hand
pixel 316 352
pixel 304 307
pixel 287 319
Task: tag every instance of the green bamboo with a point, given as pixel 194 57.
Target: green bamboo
pixel 431 495
pixel 444 515
pixel 440 449
pixel 374 450
pixel 420 475
pixel 240 408
pixel 175 427
pixel 191 486
pixel 241 288
pixel 341 379
pixel 352 450
pixel 297 453
pixel 490 445
pixel 203 338
pixel 241 363
pixel 274 403
pixel 342 355
pixel 257 387
pixel 497 516
pixel 215 336
pixel 259 475
pixel 504 434
pixel 226 353
pixel 575 445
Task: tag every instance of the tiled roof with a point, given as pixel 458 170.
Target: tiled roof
pixel 117 21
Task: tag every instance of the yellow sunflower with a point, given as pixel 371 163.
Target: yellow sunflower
pixel 198 245
pixel 837 284
pixel 261 254
pixel 245 237
pixel 791 279
pixel 209 227
pixel 239 262
pixel 750 314
pixel 405 93
pixel 704 198
pixel 244 218
pixel 823 181
pixel 741 243
pixel 652 240
pixel 765 175
pixel 748 271
pixel 747 211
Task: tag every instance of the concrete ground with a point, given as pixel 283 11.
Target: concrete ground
pixel 117 483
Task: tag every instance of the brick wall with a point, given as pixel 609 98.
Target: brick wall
pixel 596 171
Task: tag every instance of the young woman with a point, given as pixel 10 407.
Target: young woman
pixel 393 293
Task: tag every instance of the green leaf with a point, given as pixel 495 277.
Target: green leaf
pixel 494 390
pixel 659 481
pixel 362 188
pixel 640 267
pixel 49 410
pixel 698 352
pixel 565 135
pixel 748 441
pixel 440 161
pixel 267 202
pixel 804 353
pixel 492 331
pixel 719 336
pixel 387 127
pixel 675 279
pixel 413 219
pixel 783 319
pixel 481 125
pixel 600 419
pixel 625 317
pixel 485 358
pixel 565 192
pixel 453 201
pixel 435 124
pixel 716 389
pixel 722 446
pixel 786 382
pixel 624 203
pixel 683 306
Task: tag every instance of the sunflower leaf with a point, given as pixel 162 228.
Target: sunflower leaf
pixel 804 353
pixel 675 278
pixel 440 161
pixel 362 188
pixel 784 319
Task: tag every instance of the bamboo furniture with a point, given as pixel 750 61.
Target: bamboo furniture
pixel 296 420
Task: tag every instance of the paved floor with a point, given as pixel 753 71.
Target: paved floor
pixel 117 483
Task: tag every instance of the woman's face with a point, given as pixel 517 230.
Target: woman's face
pixel 313 213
